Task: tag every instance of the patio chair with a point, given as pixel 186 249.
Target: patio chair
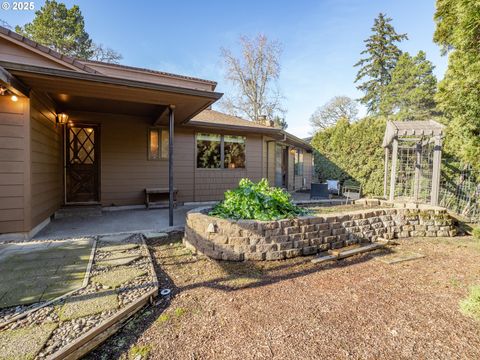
pixel 319 191
pixel 333 187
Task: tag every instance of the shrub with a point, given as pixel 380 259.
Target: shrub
pixel 471 305
pixel 257 201
pixel 352 152
pixel 476 232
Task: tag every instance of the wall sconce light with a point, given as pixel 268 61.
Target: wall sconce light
pixel 292 151
pixel 62 118
pixel 4 91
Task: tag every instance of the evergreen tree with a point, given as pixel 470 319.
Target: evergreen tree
pixel 458 32
pixel 59 28
pixel 63 30
pixel 347 151
pixel 410 93
pixel 381 57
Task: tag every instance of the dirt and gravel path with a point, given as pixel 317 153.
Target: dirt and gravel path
pixel 358 308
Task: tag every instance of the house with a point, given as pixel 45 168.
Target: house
pixel 83 132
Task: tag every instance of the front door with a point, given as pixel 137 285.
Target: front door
pixel 82 164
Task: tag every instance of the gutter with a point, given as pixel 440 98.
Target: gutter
pixel 283 136
pixel 68 74
pixel 269 131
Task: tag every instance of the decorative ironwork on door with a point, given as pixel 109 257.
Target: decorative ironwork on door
pixel 82 164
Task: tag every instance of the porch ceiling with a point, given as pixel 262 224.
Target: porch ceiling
pixel 89 92
pixel 67 103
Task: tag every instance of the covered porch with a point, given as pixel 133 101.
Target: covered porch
pixel 112 222
pixel 91 138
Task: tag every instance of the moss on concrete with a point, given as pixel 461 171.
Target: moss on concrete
pixel 118 259
pixel 116 277
pixel 109 247
pixel 43 274
pixel 24 343
pixel 85 305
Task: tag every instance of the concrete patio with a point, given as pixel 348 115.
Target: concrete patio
pixel 41 271
pixel 110 222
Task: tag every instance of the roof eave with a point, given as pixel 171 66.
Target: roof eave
pixel 297 141
pixel 202 124
pixel 109 80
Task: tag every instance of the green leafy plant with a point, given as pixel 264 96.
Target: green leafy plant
pixel 471 305
pixel 257 201
pixel 476 232
pixel 139 351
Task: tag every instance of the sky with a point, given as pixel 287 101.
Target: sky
pixel 321 39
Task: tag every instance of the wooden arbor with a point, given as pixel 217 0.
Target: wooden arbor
pixel 413 154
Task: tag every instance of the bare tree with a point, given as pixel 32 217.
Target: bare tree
pixel 335 109
pixel 5 24
pixel 105 54
pixel 254 75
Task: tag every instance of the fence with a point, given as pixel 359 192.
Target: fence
pixel 460 191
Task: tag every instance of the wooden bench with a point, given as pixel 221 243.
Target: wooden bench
pixel 159 191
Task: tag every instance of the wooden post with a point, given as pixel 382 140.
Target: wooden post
pixel 171 122
pixel 437 162
pixel 385 174
pixel 418 169
pixel 393 173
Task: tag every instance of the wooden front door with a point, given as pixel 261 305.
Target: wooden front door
pixel 82 164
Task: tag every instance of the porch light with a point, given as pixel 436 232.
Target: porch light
pixel 14 98
pixel 292 151
pixel 62 118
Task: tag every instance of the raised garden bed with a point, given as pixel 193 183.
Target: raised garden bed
pixel 120 281
pixel 237 240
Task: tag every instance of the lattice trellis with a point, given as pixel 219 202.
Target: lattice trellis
pixel 412 161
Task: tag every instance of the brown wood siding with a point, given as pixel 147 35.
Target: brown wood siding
pixel 210 184
pixel 46 159
pixel 17 54
pixel 125 170
pixel 14 170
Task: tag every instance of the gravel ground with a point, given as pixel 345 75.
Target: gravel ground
pixel 121 273
pixel 358 308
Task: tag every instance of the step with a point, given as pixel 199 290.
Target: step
pixel 78 211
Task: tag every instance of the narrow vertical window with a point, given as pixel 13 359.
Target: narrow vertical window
pixel 298 168
pixel 165 142
pixel 157 144
pixel 153 151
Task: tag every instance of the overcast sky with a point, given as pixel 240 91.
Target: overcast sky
pixel 321 39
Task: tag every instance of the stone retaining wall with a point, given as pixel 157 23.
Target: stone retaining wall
pixel 275 240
